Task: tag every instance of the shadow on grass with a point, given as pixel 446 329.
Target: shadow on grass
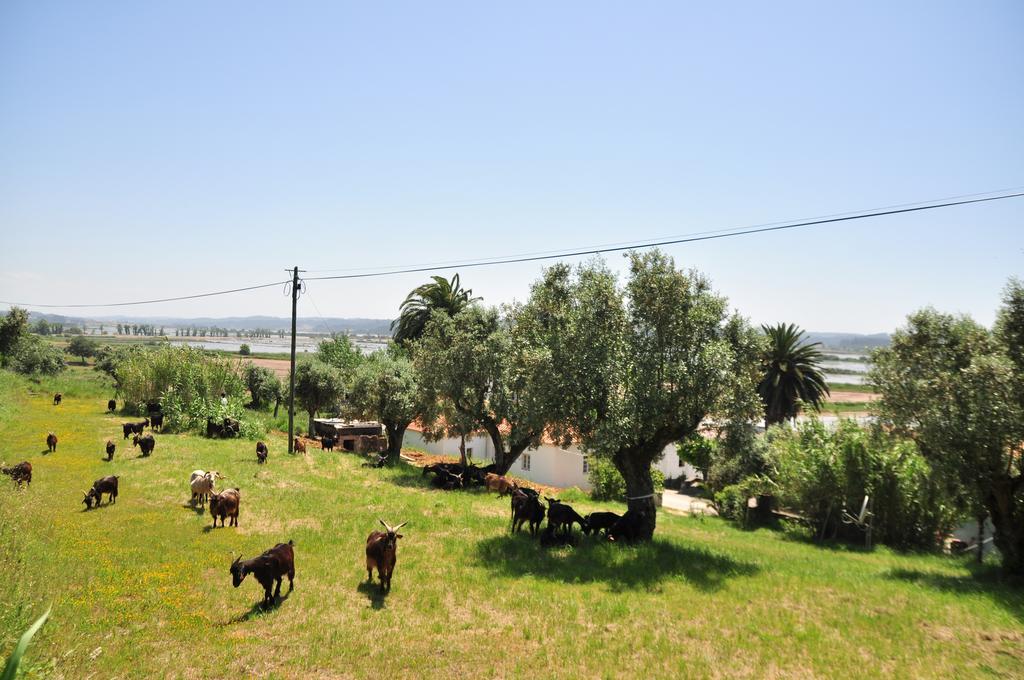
pixel 258 610
pixel 198 509
pixel 986 580
pixel 374 594
pixel 622 567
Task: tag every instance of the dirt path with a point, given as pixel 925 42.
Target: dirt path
pixel 278 366
pixel 853 397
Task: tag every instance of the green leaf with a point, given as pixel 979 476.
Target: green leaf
pixel 11 669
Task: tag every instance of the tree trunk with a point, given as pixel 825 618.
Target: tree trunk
pixel 636 470
pixel 462 451
pixel 981 538
pixel 1009 525
pixel 396 433
pixel 312 426
pixel 277 402
pixel 511 456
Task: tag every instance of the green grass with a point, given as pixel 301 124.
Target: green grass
pixel 844 407
pixel 141 588
pixel 851 387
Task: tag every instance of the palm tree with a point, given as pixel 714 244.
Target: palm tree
pixel 440 295
pixel 792 376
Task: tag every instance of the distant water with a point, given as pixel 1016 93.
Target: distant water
pixel 272 347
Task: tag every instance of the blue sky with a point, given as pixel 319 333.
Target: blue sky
pixel 152 149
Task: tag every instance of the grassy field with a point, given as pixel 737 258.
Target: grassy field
pixel 141 588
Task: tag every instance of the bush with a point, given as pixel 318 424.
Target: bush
pixel 188 384
pixel 738 454
pixel 34 356
pixel 607 483
pixel 820 472
pixel 244 350
pixel 262 384
pixel 698 451
pixel 731 501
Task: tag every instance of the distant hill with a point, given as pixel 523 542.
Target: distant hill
pixel 849 342
pixel 303 324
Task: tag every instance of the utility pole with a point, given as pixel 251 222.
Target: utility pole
pixel 291 374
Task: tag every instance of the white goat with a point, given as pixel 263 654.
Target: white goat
pixel 202 484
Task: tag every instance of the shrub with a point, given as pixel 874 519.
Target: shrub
pixel 244 350
pixel 187 382
pixel 34 356
pixel 821 472
pixel 607 483
pixel 731 501
pixel 698 451
pixel 262 384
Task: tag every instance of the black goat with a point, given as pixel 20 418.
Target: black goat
pixel 134 428
pixel 110 450
pixel 261 453
pixel 598 521
pixel 562 516
pixel 629 527
pixel 111 405
pixel 145 442
pixel 156 420
pixel 526 508
pixel 272 565
pixel 51 442
pixel 56 399
pixel 327 443
pixel 104 485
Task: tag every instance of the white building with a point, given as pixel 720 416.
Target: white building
pixel 548 464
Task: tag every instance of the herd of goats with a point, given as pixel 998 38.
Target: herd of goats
pixel 381 546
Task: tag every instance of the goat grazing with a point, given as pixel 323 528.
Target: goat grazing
pixel 145 442
pixel 51 442
pixel 56 399
pixel 381 554
pixel 596 521
pixel 562 516
pixel 225 504
pixel 261 453
pixel 20 473
pixel 111 405
pixel 327 443
pixel 110 450
pixel 272 565
pixel 156 420
pixel 299 446
pixel 104 485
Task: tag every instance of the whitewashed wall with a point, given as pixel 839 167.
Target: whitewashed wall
pixel 548 464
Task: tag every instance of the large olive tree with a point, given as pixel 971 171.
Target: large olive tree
pixel 956 389
pixel 639 367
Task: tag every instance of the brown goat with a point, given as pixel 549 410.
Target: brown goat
pixel 51 442
pixel 498 483
pixel 225 504
pixel 110 450
pixel 104 485
pixel 272 565
pixel 20 473
pixel 300 446
pixel 381 554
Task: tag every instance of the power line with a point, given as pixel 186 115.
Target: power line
pixel 707 236
pixel 636 242
pixel 552 255
pixel 150 302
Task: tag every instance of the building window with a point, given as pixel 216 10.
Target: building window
pixel 526 461
pixel 586 465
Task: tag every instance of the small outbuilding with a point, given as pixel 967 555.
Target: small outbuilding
pixel 355 436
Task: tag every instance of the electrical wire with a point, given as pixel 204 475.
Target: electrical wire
pixel 673 241
pixel 965 199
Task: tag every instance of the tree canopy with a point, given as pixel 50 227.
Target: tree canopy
pixel 385 388
pixel 955 388
pixel 318 386
pixel 641 366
